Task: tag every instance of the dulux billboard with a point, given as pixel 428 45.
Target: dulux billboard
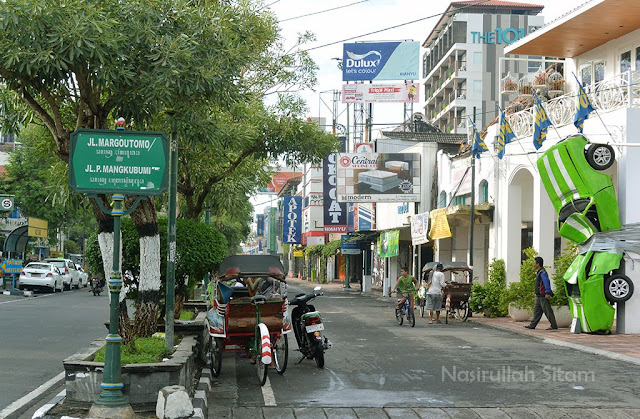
pixel 292 229
pixel 364 61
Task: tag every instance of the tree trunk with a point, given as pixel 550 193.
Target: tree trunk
pixel 147 304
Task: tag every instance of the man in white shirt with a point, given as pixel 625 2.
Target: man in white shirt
pixel 435 292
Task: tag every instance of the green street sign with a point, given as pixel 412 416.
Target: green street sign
pixel 127 162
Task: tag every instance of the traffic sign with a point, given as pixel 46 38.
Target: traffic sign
pixel 6 202
pixel 11 266
pixel 127 162
pixel 37 228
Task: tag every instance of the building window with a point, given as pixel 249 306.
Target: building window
pixel 592 72
pixel 442 201
pixel 638 58
pixel 625 61
pixel 484 192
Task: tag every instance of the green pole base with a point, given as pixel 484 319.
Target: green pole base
pixel 110 412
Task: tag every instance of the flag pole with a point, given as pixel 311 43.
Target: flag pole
pixel 546 113
pixel 580 86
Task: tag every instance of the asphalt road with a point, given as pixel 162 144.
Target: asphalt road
pixel 38 333
pixel 375 363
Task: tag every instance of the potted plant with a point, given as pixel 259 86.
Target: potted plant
pixel 520 296
pixel 540 80
pixel 560 301
pixel 487 298
pixel 525 89
pixel 510 86
pixel 557 85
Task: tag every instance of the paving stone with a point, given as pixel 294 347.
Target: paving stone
pixel 520 413
pixel 611 413
pixel 464 413
pixel 220 412
pixel 431 413
pixel 552 412
pixel 400 413
pixel 309 413
pixel 278 413
pixel 340 413
pixel 370 413
pixel 245 413
pixel 582 413
pixel 632 413
pixel 491 413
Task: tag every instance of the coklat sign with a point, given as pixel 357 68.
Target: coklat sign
pixel 292 229
pixel 380 61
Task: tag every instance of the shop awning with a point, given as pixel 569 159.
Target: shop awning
pixel 484 212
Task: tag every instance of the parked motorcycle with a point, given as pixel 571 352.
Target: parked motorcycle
pixel 96 286
pixel 308 328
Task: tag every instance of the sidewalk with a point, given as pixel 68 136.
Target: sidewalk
pixel 620 347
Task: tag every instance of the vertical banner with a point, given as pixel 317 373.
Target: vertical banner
pixel 335 213
pixel 388 243
pixel 272 230
pixel 292 230
pixel 350 218
pixel 365 216
pixel 259 225
pixel 419 228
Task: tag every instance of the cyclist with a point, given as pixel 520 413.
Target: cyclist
pixel 406 284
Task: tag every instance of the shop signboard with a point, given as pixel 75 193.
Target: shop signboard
pixel 419 228
pixel 381 93
pixel 388 243
pixel 292 227
pixel 366 61
pixel 118 161
pixel 349 247
pixel 461 170
pixel 378 177
pixel 365 215
pixel 335 213
pixel 277 183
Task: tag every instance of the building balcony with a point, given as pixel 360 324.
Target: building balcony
pixel 621 91
pixel 447 80
pixel 455 99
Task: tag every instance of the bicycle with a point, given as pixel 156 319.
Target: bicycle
pixel 405 310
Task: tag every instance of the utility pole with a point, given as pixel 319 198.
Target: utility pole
pixel 473 203
pixel 171 242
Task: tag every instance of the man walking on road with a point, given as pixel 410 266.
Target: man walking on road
pixel 543 294
pixel 435 292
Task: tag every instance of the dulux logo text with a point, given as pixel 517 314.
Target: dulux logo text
pixel 358 60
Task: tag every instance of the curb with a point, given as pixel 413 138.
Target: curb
pixel 42 411
pixel 571 345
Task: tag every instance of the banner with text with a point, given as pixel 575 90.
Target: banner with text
pixel 388 243
pixel 381 93
pixel 335 213
pixel 439 224
pixel 378 177
pixel 292 229
pixel 380 61
pixel 419 228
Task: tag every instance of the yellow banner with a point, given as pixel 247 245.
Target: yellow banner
pixel 38 223
pixel 439 224
pixel 37 232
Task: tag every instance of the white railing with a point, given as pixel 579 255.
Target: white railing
pixel 607 95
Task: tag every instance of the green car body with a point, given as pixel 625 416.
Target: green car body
pixel 585 201
pixel 584 198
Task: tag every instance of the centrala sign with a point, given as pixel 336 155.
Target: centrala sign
pixel 498 36
pixel 365 61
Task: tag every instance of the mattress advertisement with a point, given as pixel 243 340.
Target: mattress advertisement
pixel 378 177
pixel 388 243
pixel 380 61
pixel 380 93
pixel 335 213
pixel 292 228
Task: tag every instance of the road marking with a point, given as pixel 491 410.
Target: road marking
pixel 13 301
pixel 21 402
pixel 267 394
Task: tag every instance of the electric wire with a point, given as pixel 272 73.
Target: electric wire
pixel 322 11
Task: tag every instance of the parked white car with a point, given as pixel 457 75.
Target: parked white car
pixel 70 275
pixel 41 275
pixel 84 277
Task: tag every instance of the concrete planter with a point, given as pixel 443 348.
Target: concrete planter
pixel 142 382
pixel 563 315
pixel 519 314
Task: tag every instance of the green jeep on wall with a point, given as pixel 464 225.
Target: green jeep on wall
pixel 585 201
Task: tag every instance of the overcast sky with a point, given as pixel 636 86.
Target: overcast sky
pixel 358 19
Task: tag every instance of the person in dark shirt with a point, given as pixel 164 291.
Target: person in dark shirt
pixel 543 294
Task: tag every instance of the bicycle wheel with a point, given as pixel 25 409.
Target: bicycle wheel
pixel 422 304
pixel 215 356
pixel 281 354
pixel 462 311
pixel 399 318
pixel 446 315
pixel 411 317
pixel 260 366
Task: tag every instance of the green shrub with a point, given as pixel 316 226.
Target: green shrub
pixel 563 262
pixel 143 351
pixel 487 298
pixel 522 294
pixel 187 315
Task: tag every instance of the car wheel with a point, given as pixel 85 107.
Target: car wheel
pixel 618 288
pixel 600 156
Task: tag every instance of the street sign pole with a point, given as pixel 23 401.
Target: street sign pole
pixel 171 245
pixel 111 402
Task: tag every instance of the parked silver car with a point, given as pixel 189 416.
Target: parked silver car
pixel 84 277
pixel 41 275
pixel 70 275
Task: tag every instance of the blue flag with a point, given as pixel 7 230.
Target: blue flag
pixel 583 107
pixel 478 144
pixel 541 122
pixel 505 135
